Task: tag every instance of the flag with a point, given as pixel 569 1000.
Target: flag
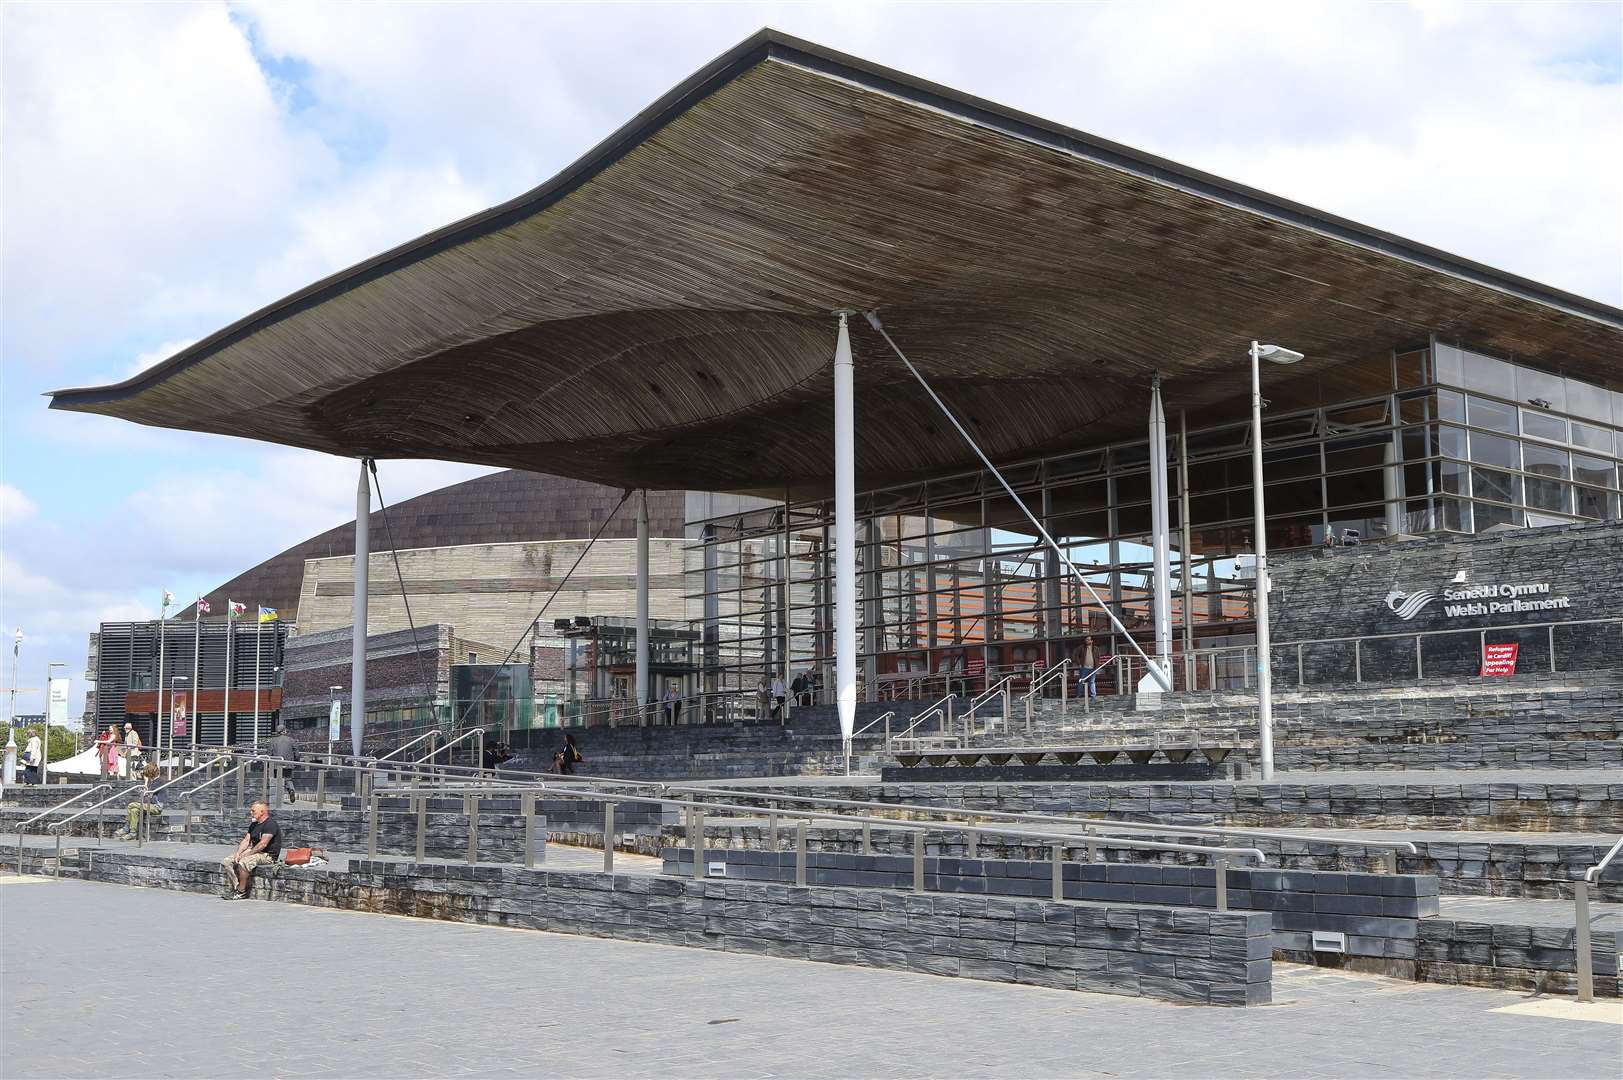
pixel 267 614
pixel 168 598
pixel 202 606
pixel 235 608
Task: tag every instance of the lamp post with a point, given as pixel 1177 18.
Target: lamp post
pixel 10 775
pixel 1265 695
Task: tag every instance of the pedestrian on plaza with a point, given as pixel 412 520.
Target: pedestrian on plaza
pixel 797 689
pixel 31 759
pixel 133 755
pixel 259 846
pixel 1087 682
pixel 566 757
pixel 107 747
pixel 281 747
pixel 496 752
pixel 763 699
pixel 145 802
pixel 780 698
pixel 673 704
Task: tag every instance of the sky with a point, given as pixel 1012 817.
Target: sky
pixel 169 168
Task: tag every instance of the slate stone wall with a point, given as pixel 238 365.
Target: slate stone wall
pixel 1343 592
pixel 1199 957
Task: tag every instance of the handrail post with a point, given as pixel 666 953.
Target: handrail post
pixel 471 804
pixel 188 818
pixel 698 843
pixel 422 828
pixel 1586 959
pixel 608 838
pixel 265 795
pixel 57 869
pixel 972 845
pixel 242 784
pixel 918 860
pixel 321 787
pixel 19 850
pixel 1552 647
pixel 867 838
pixel 1222 868
pixel 800 852
pixel 1058 873
pixel 527 807
pixel 772 832
pixel 1358 660
pixel 1299 659
pixel 372 828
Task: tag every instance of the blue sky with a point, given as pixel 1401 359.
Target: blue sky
pixel 170 168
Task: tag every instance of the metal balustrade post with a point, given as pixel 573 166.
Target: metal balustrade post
pixel 1552 647
pixel 1299 659
pixel 188 818
pixel 242 784
pixel 422 828
pixel 918 860
pixel 527 808
pixel 321 788
pixel 800 852
pixel 698 843
pixel 771 832
pixel 265 795
pixel 372 828
pixel 867 838
pixel 1358 660
pixel 276 787
pixel 19 850
pixel 972 844
pixel 1585 958
pixel 472 805
pixel 608 838
pixel 56 871
pixel 1419 671
pixel 1245 668
pixel 1222 868
pixel 1093 847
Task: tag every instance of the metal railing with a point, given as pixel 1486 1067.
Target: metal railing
pixel 427 736
pixel 22 826
pixel 999 689
pixel 885 718
pixel 1061 672
pixel 1580 903
pixel 942 708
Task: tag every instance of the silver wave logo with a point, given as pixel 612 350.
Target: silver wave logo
pixel 1407 605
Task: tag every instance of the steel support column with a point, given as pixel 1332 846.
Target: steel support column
pixel 845 531
pixel 1159 539
pixel 642 603
pixel 357 649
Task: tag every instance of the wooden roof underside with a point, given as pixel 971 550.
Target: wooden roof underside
pixel 659 315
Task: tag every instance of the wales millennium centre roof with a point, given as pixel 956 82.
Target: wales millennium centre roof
pixel 658 314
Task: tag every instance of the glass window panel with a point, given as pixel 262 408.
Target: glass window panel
pixel 1420 479
pixel 1487 515
pixel 1293 497
pixel 1419 442
pixel 1493 415
pixel 1207 443
pixel 1591 437
pixel 1131 519
pixel 1083 496
pixel 1412 368
pixel 1494 450
pixel 1493 484
pixel 1536 520
pixel 1546 494
pixel 1356 453
pixel 1587 399
pixel 1349 489
pixel 1088 524
pixel 1544 460
pixel 1532 383
pixel 1451 405
pixel 1451 442
pixel 1290 461
pixel 1356 417
pixel 1544 426
pixel 1126 457
pixel 1617 407
pixel 1367 521
pixel 1450 365
pixel 1454 477
pixel 1594 503
pixel 1454 514
pixel 1295 532
pixel 1089 464
pixel 1416 408
pixel 1133 489
pixel 1588 470
pixel 1489 375
pixel 1289 428
pixel 1419 516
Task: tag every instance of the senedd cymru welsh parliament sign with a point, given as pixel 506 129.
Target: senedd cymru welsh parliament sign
pixel 1500 598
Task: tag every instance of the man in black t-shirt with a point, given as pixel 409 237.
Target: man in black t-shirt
pixel 259 846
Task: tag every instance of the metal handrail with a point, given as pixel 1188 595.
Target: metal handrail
pixel 996 690
pixel 1580 922
pixel 471 733
pixel 1060 671
pixel 53 809
pixel 403 747
pixel 65 822
pixel 941 708
pixel 1595 871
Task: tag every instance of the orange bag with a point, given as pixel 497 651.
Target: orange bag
pixel 298 856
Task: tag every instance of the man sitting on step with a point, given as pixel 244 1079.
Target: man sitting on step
pixel 145 802
pixel 259 846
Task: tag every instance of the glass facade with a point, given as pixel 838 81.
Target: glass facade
pixel 953 581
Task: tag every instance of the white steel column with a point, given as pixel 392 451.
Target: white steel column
pixel 357 648
pixel 1158 530
pixel 642 603
pixel 1265 690
pixel 845 532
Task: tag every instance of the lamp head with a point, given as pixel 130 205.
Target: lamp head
pixel 1278 354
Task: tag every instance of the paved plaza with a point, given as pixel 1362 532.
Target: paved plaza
pixel 258 989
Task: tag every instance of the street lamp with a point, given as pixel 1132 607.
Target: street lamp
pixel 1276 354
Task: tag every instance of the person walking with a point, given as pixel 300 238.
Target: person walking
pixel 779 699
pixel 133 755
pixel 1087 684
pixel 31 759
pixel 673 704
pixel 107 743
pixel 281 746
pixel 567 756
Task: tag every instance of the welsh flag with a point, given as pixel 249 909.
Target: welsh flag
pixel 236 608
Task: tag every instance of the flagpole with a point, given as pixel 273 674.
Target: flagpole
pixel 259 625
pixel 230 643
pixel 163 639
pixel 197 687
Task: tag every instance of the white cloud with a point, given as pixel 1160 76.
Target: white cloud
pixel 15 507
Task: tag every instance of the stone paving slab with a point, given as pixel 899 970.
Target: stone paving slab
pixel 344 994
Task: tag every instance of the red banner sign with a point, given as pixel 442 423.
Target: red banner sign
pixel 1499 659
pixel 177 716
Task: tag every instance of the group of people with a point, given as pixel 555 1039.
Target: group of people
pixel 120 753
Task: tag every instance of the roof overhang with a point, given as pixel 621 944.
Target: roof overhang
pixel 658 314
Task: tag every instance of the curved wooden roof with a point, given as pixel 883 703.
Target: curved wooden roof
pixel 658 314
